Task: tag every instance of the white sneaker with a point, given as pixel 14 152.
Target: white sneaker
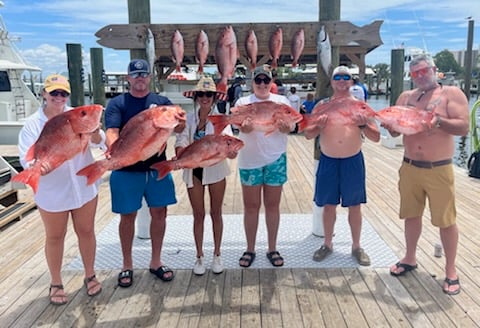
pixel 217 264
pixel 199 267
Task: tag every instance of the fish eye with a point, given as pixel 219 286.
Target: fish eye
pixel 83 113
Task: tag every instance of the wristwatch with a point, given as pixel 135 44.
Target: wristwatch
pixel 439 120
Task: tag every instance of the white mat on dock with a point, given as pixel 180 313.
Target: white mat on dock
pixel 295 243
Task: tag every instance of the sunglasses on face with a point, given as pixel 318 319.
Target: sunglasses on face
pixel 422 71
pixel 344 77
pixel 259 80
pixel 209 94
pixel 56 93
pixel 136 75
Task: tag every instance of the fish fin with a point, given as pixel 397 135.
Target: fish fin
pixel 30 155
pixel 93 172
pixel 219 122
pixel 163 168
pixel 178 69
pixel 303 123
pixel 162 148
pixel 29 176
pixel 222 87
pixel 200 69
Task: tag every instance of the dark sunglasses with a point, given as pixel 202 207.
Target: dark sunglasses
pixel 143 74
pixel 62 93
pixel 259 80
pixel 209 94
pixel 344 77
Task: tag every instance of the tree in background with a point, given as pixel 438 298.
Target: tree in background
pixel 445 62
pixel 382 73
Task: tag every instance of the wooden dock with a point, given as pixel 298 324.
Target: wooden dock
pixel 294 297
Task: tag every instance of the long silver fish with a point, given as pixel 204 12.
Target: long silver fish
pixel 324 50
pixel 150 49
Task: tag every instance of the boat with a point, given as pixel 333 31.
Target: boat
pixel 17 101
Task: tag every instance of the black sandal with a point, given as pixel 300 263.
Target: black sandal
pixel 248 258
pixel 275 259
pixel 59 288
pixel 88 280
pixel 126 274
pixel 451 282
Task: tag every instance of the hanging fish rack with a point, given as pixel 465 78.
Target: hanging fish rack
pixel 354 41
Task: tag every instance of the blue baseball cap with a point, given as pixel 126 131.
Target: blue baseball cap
pixel 138 66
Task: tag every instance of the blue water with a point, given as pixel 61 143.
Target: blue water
pixel 462 151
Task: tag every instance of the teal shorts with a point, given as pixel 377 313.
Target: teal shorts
pixel 128 188
pixel 273 174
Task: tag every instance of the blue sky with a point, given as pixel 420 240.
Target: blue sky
pixel 45 27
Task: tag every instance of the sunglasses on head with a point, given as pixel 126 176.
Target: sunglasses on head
pixel 345 77
pixel 62 93
pixel 259 80
pixel 143 74
pixel 209 94
pixel 423 71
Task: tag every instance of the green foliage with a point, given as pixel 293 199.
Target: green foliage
pixel 445 62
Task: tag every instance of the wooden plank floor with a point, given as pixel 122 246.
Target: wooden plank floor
pixel 299 297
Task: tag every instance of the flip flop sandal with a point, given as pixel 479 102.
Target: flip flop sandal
pixel 406 268
pixel 452 282
pixel 126 274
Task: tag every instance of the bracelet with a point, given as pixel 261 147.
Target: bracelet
pixel 362 126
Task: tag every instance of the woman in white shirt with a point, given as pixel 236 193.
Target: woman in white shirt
pixel 263 171
pixel 61 192
pixel 205 95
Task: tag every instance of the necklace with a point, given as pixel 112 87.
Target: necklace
pixel 425 91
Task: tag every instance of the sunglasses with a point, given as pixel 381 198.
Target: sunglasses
pixel 259 80
pixel 56 93
pixel 209 94
pixel 422 71
pixel 345 77
pixel 136 75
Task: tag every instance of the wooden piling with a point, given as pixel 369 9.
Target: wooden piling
pixel 75 72
pixel 98 76
pixel 328 10
pixel 397 62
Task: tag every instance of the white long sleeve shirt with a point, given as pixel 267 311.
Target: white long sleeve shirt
pixel 61 189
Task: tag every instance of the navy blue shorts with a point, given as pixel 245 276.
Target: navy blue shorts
pixel 340 178
pixel 128 188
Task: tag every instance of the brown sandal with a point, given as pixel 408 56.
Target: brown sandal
pixel 93 279
pixel 54 295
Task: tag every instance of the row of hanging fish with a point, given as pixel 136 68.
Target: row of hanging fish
pixel 227 53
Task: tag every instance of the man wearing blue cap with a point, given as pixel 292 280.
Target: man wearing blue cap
pixel 130 184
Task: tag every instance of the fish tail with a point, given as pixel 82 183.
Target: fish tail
pixel 163 168
pixel 29 176
pixel 222 86
pixel 219 122
pixel 92 172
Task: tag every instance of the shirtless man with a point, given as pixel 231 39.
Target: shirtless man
pixel 427 170
pixel 341 169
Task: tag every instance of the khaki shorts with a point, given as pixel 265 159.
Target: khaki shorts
pixel 435 184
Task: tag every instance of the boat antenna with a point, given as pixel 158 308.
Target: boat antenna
pixel 421 31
